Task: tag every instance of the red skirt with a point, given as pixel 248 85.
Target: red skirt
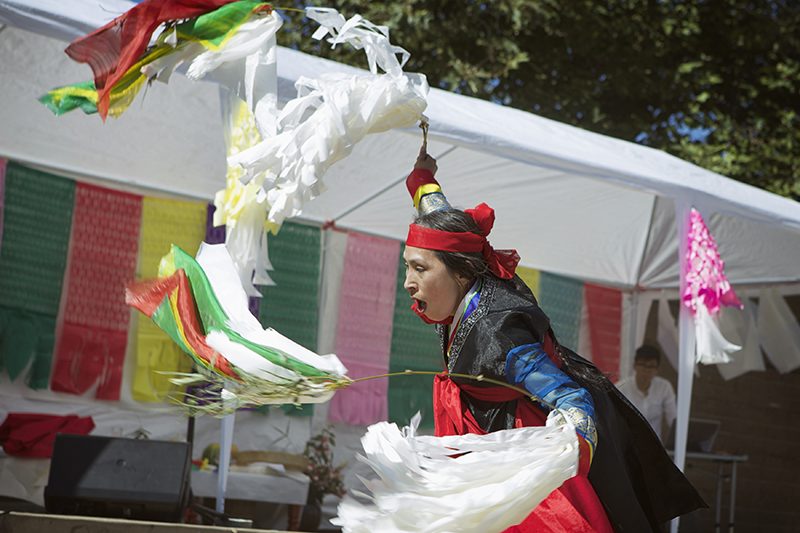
pixel 572 508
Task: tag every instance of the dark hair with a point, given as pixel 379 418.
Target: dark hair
pixel 473 265
pixel 470 265
pixel 647 352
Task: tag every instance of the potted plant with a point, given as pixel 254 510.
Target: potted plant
pixel 324 477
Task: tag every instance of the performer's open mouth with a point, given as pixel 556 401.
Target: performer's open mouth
pixel 420 305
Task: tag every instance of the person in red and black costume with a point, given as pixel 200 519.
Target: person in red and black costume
pixel 491 325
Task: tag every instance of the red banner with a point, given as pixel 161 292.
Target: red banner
pixel 102 260
pixel 604 307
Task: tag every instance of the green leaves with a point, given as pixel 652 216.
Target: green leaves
pixel 656 71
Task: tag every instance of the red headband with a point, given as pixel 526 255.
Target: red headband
pixel 502 263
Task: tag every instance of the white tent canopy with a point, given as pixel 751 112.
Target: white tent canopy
pixel 570 201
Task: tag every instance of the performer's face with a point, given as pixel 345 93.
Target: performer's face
pixel 435 289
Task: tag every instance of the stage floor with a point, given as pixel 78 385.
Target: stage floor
pixel 14 522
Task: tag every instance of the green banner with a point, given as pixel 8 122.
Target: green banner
pixel 415 346
pixel 37 219
pixel 561 299
pixel 292 305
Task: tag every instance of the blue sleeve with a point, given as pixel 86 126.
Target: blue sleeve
pixel 530 367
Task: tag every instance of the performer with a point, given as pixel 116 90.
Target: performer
pixel 490 324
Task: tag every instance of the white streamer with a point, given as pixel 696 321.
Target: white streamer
pixel 712 347
pixel 330 115
pixel 480 483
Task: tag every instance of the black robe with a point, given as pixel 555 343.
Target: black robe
pixel 638 484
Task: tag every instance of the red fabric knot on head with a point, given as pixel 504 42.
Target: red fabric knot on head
pixel 483 215
pixel 502 263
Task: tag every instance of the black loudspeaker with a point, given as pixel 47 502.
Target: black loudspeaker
pixel 113 477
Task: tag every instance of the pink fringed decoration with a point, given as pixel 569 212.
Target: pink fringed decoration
pixel 704 271
pixel 364 330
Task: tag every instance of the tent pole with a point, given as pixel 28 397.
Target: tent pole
pixel 686 348
pixel 226 442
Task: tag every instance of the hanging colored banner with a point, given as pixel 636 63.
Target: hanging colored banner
pixel 531 278
pixel 364 330
pixel 37 219
pixel 164 222
pixel 560 298
pixel 604 309
pixel 3 163
pixel 415 346
pixel 102 260
pixel 291 306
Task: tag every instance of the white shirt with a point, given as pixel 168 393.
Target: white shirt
pixel 657 406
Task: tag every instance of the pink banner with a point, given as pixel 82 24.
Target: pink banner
pixel 604 308
pixel 364 330
pixel 102 259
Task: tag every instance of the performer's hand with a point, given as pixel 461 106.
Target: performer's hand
pixel 425 161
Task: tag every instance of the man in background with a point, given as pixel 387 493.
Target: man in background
pixel 652 395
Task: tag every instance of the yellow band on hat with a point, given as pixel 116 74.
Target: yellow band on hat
pixel 422 190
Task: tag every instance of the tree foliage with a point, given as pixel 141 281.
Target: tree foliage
pixel 715 82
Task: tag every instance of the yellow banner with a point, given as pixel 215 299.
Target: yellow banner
pixel 531 278
pixel 164 222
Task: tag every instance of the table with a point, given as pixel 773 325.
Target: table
pixel 290 487
pixel 721 459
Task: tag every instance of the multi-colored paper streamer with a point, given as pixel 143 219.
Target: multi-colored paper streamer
pixel 224 32
pixel 706 290
pixel 202 306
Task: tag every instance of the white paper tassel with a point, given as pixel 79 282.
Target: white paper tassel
pixel 247 65
pixel 480 483
pixel 711 348
pixel 330 115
